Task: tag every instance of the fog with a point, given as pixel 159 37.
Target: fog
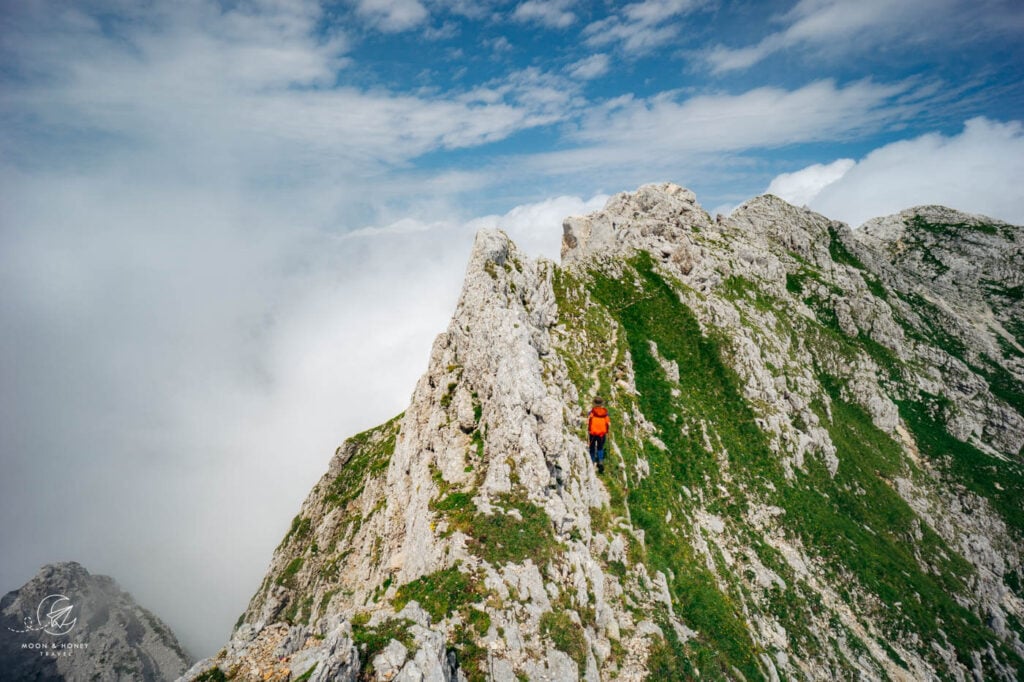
pixel 209 280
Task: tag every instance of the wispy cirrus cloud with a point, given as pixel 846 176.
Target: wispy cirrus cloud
pixel 594 66
pixel 549 96
pixel 670 131
pixel 392 16
pixel 256 91
pixel 548 13
pixel 641 26
pixel 835 27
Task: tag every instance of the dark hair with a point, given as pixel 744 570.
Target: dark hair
pixel 598 400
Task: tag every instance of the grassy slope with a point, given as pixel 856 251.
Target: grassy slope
pixel 854 521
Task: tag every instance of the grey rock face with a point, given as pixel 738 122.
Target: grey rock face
pixel 814 470
pixel 965 273
pixel 66 624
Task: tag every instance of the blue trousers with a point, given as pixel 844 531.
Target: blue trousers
pixel 596 448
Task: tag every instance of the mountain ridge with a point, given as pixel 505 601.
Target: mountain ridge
pixel 768 371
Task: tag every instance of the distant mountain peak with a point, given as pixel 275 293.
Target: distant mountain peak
pixel 68 624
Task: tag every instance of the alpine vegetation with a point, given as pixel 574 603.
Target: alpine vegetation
pixel 809 465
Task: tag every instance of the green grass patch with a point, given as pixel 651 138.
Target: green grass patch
pixel 566 636
pixel 299 610
pixel 736 288
pixel 795 282
pixel 299 529
pixel 920 223
pixel 1001 383
pixel 372 640
pixel 446 399
pixel 471 656
pixel 478 409
pixel 326 599
pixel 501 537
pixel 306 675
pixel 670 660
pixel 478 443
pixel 439 593
pixel 287 577
pixel 996 288
pixel 479 620
pixel 455 504
pixel 999 481
pixel 840 252
pixel 876 287
pixel 372 450
pixel 586 344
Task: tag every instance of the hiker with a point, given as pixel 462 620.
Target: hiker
pixel 598 424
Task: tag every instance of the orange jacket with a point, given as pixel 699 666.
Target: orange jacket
pixel 599 423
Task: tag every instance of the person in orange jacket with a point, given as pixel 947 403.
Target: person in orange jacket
pixel 598 424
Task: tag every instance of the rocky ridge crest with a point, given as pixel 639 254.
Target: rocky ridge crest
pixel 815 468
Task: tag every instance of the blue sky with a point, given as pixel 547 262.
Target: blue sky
pixel 230 230
pixel 509 102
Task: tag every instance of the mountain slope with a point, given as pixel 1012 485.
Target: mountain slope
pixel 814 469
pixel 99 631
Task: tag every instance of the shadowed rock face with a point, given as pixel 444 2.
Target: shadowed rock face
pixel 66 624
pixel 814 468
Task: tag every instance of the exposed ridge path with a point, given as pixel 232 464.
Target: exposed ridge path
pixel 815 467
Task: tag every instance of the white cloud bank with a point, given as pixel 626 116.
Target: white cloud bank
pixel 980 170
pixel 800 187
pixel 186 334
pixel 537 228
pixel 187 367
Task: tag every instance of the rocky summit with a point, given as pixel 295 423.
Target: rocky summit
pixel 66 624
pixel 814 468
